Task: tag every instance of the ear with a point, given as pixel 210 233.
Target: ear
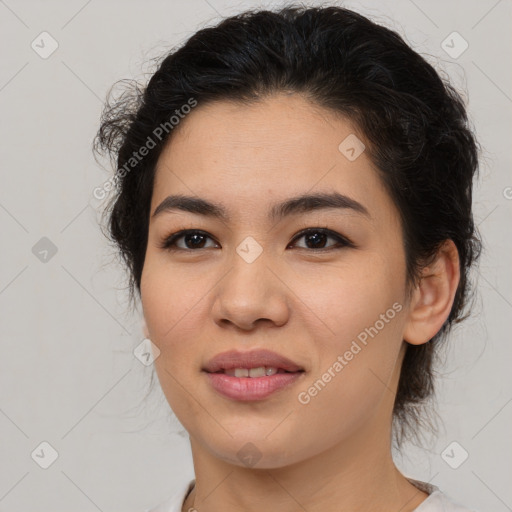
pixel 433 297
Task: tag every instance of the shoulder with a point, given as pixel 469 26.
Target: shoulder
pixel 437 500
pixel 174 502
pixel 440 502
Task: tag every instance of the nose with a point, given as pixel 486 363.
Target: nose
pixel 251 294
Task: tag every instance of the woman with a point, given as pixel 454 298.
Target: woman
pixel 293 204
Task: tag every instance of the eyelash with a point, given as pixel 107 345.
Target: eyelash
pixel 169 243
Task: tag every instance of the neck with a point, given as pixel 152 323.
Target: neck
pixel 357 474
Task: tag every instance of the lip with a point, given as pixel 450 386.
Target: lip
pixel 253 359
pixel 251 388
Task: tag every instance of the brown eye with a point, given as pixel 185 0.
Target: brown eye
pixel 316 238
pixel 192 239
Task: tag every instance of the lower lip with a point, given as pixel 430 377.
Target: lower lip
pixel 251 388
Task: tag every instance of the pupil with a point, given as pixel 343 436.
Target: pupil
pixel 196 237
pixel 314 238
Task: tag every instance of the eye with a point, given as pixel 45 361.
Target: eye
pixel 316 238
pixel 193 239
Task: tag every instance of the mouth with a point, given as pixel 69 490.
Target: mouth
pixel 248 376
pixel 254 361
pixel 260 371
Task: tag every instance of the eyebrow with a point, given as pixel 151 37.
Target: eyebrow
pixel 301 204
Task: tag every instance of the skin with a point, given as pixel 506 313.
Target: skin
pixel 333 453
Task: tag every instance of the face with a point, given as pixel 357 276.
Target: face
pixel 321 283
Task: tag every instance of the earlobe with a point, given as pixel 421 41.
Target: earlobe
pixel 433 297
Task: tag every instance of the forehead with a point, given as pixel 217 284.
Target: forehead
pixel 248 156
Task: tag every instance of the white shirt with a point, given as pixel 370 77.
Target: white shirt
pixel 437 501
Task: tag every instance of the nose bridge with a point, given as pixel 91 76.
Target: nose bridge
pixel 250 290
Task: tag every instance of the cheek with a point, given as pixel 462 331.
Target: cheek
pixel 350 297
pixel 171 303
pixel 355 375
pixel 358 352
pixel 172 308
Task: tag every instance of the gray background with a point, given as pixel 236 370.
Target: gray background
pixel 67 372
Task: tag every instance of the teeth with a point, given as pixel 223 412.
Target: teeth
pixel 261 371
pixel 240 372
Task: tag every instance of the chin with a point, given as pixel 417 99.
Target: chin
pixel 256 451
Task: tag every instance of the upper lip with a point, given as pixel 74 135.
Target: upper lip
pixel 253 359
